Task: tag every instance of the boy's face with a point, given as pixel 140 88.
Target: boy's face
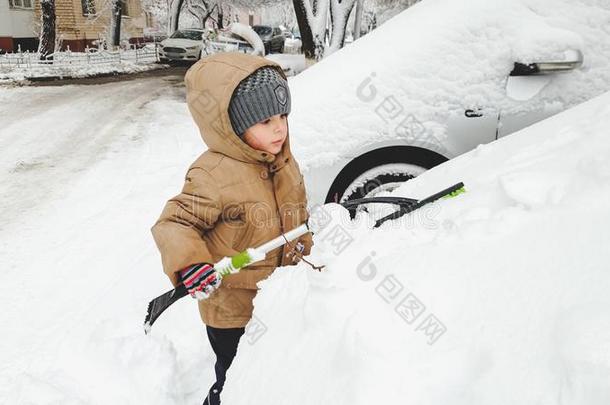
pixel 268 135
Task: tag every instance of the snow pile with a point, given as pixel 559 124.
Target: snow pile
pixel 291 64
pixel 496 296
pixel 439 57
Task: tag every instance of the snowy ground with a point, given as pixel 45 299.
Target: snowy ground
pixel 84 174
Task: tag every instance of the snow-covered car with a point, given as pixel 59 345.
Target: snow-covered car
pixel 497 296
pixel 228 42
pixel 292 44
pixel 438 80
pixel 272 38
pixel 237 37
pixel 183 44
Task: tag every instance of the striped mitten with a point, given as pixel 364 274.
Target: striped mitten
pixel 200 279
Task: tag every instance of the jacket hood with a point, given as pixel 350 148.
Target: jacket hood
pixel 210 83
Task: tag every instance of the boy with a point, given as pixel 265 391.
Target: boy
pixel 245 190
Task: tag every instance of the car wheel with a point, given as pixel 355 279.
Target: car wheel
pixel 381 171
pixel 379 179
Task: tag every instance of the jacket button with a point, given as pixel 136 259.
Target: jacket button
pixel 264 174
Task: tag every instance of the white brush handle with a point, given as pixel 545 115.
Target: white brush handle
pixel 225 265
pixel 280 240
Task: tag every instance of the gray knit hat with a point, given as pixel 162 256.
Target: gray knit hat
pixel 262 94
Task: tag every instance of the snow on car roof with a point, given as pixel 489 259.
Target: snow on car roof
pixel 438 57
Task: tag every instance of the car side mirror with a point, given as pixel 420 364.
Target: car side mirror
pixel 573 60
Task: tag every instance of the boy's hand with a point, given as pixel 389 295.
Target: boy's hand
pixel 296 253
pixel 200 280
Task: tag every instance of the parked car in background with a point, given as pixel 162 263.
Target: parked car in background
pixel 155 37
pixel 227 42
pixel 293 43
pixel 236 37
pixel 183 45
pixel 286 32
pixel 296 33
pixel 272 37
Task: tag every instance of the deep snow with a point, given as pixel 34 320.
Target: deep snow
pixel 515 269
pixel 496 296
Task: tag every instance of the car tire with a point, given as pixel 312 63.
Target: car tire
pixel 381 170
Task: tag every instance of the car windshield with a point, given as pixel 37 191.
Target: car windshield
pixel 194 35
pixel 262 29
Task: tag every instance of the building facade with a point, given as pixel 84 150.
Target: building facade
pixel 17 25
pixel 79 23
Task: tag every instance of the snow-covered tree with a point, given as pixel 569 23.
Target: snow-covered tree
pixel 323 23
pixel 312 18
pixel 358 19
pixel 383 10
pixel 115 22
pixel 220 12
pixel 319 36
pixel 46 44
pixel 339 14
pixel 200 10
pixel 280 13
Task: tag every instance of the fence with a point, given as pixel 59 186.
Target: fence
pixel 64 61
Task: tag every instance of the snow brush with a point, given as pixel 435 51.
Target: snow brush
pixel 225 266
pixel 230 265
pixel 406 205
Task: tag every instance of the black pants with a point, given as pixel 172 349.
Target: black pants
pixel 224 343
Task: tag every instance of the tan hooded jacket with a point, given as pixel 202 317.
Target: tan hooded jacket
pixel 234 196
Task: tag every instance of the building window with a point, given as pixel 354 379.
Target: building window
pixel 88 7
pixel 125 8
pixel 20 4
